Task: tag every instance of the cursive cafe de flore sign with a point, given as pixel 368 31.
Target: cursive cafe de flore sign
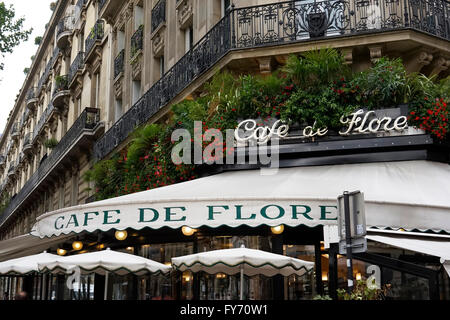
pixel 358 122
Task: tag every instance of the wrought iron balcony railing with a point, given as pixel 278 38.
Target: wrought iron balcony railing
pixel 119 63
pixel 24 117
pixel 31 94
pixel 96 33
pixel 61 84
pixel 88 120
pixel 101 4
pixel 275 24
pixel 27 139
pixel 66 24
pixel 137 40
pixel 15 129
pixel 158 14
pixel 42 120
pixel 76 65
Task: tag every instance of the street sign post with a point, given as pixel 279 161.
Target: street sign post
pixel 352 228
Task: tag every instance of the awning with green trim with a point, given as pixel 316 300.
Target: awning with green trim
pixel 249 261
pixel 412 195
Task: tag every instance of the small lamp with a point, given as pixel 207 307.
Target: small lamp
pixel 277 229
pixel 187 231
pixel 77 245
pixel 121 235
pixel 61 252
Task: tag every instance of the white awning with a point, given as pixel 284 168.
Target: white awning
pixel 437 247
pixel 406 194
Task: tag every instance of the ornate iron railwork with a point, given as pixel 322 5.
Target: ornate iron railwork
pixel 137 40
pixel 96 33
pixel 275 24
pixel 158 14
pixel 76 65
pixel 31 94
pixel 119 63
pixel 64 25
pixel 101 4
pixel 88 120
pixel 15 129
pixel 42 120
pixel 215 44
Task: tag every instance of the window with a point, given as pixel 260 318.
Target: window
pixel 189 38
pixel 161 67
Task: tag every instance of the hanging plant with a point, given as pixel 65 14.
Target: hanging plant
pixel 51 143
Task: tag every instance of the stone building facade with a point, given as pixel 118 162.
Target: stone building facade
pixel 105 66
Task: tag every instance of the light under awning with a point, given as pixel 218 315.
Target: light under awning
pixel 405 194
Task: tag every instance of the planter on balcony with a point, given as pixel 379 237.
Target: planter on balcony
pixel 95 37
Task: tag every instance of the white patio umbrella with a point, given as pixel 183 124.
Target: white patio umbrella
pixel 104 262
pixel 27 264
pixel 243 260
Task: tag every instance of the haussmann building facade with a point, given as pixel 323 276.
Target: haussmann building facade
pixel 105 67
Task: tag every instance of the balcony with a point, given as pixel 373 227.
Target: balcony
pixel 119 63
pixel 75 68
pixel 64 31
pixel 2 161
pixel 28 143
pixel 31 99
pixel 94 38
pixel 15 130
pixel 11 170
pixel 158 15
pixel 272 25
pixel 109 8
pixel 46 115
pixel 61 91
pixel 81 135
pixel 24 118
pixel 137 43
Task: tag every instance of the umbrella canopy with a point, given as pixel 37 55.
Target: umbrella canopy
pixel 250 261
pixel 103 262
pixel 25 265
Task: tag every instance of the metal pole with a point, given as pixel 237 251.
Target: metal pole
pixel 242 282
pixel 348 242
pixel 106 286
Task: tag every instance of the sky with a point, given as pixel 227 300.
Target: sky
pixel 37 14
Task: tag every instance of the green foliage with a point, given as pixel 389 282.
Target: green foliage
pixel 26 70
pixel 315 69
pixel 38 40
pixel 361 291
pixel 322 297
pixel 315 89
pixel 53 5
pixel 51 143
pixel 11 30
pixel 384 84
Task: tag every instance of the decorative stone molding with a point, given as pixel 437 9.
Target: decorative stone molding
pixel 347 53
pixel 184 13
pixel 440 64
pixel 158 41
pixel 416 60
pixel 376 53
pixel 265 64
